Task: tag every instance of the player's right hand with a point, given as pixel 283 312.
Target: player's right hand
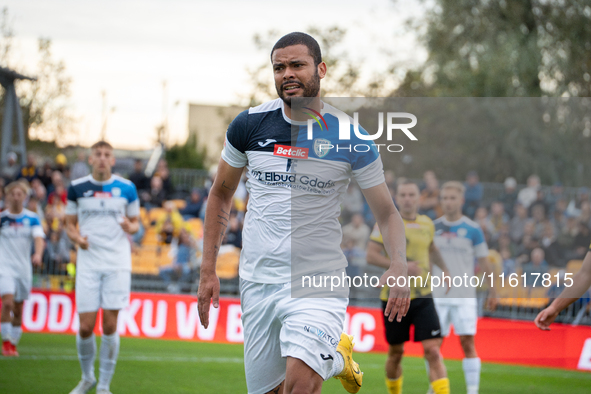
pixel 83 242
pixel 399 296
pixel 545 318
pixel 209 289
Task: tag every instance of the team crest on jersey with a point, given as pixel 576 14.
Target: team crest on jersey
pixel 26 222
pixel 116 192
pixel 321 147
pixel 462 232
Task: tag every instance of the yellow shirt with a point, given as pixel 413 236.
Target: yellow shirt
pixel 419 236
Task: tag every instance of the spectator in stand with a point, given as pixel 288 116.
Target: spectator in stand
pixel 58 189
pixel 558 217
pixel 29 171
pixel 509 266
pixel 138 177
pixel 574 206
pixel 355 257
pixel 481 217
pixel 538 215
pixel 352 203
pixel 567 235
pixel 163 172
pixel 473 194
pixel 552 249
pixel 429 198
pixel 497 217
pixel 552 198
pixel 170 224
pixel 58 254
pixel 357 231
pixel 10 172
pixel 2 206
pixel 233 235
pixel 80 167
pixel 529 194
pixel 39 191
pixel 580 243
pixel 184 255
pixel 585 216
pixel 45 174
pixel 155 197
pixel 537 265
pixel 61 163
pixel 509 196
pixel 194 205
pixel 517 223
pixel 528 243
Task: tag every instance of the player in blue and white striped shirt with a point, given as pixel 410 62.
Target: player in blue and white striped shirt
pixel 19 228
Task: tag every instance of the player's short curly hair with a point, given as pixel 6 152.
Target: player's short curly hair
pixel 298 38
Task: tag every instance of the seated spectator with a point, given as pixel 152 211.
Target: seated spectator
pixel 138 177
pixel 552 249
pixel 509 265
pixel 357 231
pixel 233 234
pixel 567 235
pixel 585 216
pixel 163 172
pixel 538 215
pixel 537 265
pixel 509 196
pixel 80 167
pixel 529 194
pixel 497 218
pixel 580 243
pixel 558 217
pixel 58 254
pixel 45 174
pixel 10 171
pixel 29 171
pixel 524 249
pixel 155 196
pixel 473 194
pixel 58 195
pixel 170 224
pixel 481 217
pixel 39 191
pixel 517 223
pixel 355 257
pixel 194 205
pixel 552 198
pixel 184 251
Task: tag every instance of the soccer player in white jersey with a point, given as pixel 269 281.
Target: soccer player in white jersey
pixel 291 345
pixel 461 242
pixel 101 209
pixel 19 229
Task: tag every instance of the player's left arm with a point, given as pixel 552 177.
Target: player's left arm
pixel 392 228
pixel 130 221
pixel 39 242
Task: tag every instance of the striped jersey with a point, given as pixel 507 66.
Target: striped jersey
pixel 296 187
pixel 100 206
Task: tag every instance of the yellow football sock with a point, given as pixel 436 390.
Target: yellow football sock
pixel 394 386
pixel 440 386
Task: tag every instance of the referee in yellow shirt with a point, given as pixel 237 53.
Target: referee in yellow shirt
pixel 420 251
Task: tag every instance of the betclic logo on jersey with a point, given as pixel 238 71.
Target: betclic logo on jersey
pixel 290 152
pixel 392 119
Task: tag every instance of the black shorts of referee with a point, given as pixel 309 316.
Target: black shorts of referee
pixel 421 314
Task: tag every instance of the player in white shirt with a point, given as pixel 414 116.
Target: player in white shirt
pixel 101 209
pixel 291 229
pixel 461 243
pixel 19 229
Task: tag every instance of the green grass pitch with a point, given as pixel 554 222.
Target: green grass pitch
pixel 48 365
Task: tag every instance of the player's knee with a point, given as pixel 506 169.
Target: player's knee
pixel 395 354
pixel 432 354
pixel 7 306
pixel 85 329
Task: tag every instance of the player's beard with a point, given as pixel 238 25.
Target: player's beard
pixel 310 90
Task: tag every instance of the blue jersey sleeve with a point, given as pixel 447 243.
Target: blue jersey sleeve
pixel 72 194
pixel 237 134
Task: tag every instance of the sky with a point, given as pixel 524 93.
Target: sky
pixel 202 49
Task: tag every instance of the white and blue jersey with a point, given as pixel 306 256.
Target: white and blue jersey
pixel 17 233
pixel 460 244
pixel 296 188
pixel 100 206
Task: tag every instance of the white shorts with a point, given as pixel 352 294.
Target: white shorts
pixel 277 326
pixel 21 288
pixel 463 316
pixel 102 289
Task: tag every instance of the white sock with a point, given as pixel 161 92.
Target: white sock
pixel 86 354
pixel 337 364
pixel 15 334
pixel 107 360
pixel 5 331
pixel 427 368
pixel 471 368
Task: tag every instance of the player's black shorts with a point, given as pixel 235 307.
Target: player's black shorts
pixel 422 314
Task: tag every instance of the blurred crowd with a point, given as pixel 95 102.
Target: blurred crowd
pixel 532 230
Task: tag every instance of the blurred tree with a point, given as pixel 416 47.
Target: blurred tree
pixel 528 48
pixel 186 155
pixel 45 102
